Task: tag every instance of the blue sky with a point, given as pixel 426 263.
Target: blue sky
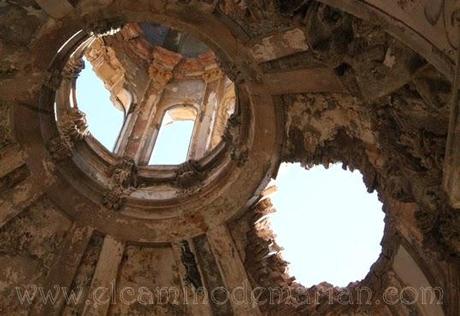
pixel 328 224
pixel 104 120
pixel 172 144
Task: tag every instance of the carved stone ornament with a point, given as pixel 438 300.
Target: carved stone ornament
pixel 73 68
pixel 232 131
pixel 114 198
pixel 73 128
pixel 123 180
pixel 73 125
pixel 240 155
pixel 189 175
pixel 125 173
pixel 161 70
pixel 160 75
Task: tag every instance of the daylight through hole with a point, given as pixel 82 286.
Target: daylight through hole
pixel 328 224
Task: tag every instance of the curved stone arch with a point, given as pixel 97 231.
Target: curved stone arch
pixel 176 106
pixel 183 106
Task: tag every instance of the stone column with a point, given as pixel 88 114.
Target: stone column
pixel 233 272
pixel 103 284
pixel 213 78
pixel 227 101
pixel 161 72
pixel 62 272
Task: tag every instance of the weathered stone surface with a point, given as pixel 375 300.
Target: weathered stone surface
pixel 154 272
pixel 364 83
pixel 83 276
pixel 31 242
pixel 104 277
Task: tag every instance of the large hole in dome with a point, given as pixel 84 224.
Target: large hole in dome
pixel 329 226
pixel 137 86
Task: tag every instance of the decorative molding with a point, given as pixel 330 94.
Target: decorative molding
pixel 123 179
pixel 160 76
pixel 232 131
pixel 162 67
pixel 240 155
pixel 124 174
pixel 73 125
pixel 114 198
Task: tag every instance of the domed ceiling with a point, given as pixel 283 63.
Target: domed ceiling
pixel 363 83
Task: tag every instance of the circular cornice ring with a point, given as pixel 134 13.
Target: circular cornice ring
pixel 145 221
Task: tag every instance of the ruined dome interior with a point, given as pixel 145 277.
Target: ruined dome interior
pixel 372 85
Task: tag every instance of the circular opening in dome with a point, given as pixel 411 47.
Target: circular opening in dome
pixel 153 94
pixel 328 225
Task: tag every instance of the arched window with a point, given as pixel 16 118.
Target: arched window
pixel 104 119
pixel 174 138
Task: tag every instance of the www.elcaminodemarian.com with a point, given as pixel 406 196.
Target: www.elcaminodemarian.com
pixel 243 295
